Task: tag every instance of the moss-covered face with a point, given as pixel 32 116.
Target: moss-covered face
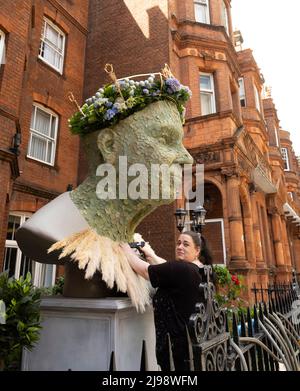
pixel 151 136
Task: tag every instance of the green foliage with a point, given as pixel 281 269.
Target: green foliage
pixel 56 289
pixel 229 289
pixel 22 318
pixel 115 102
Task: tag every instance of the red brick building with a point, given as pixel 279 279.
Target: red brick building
pixel 44 44
pixel 251 173
pixel 229 127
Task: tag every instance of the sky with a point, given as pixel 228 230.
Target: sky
pixel 271 28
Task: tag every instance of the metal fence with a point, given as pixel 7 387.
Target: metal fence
pixel 266 337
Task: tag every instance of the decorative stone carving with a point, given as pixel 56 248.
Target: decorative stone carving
pixel 207 157
pixel 229 172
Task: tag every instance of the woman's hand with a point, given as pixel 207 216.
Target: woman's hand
pixel 127 249
pixel 148 251
pixel 139 266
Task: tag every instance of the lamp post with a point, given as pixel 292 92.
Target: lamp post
pixel 180 215
pixel 198 216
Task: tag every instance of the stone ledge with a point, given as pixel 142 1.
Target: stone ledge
pixel 108 304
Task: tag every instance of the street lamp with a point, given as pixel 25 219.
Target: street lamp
pixel 198 216
pixel 180 215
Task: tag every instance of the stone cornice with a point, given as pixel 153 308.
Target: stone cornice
pixel 28 188
pixel 211 117
pixel 12 159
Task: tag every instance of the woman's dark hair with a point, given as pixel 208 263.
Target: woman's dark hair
pixel 205 254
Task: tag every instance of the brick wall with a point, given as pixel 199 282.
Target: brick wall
pixel 26 79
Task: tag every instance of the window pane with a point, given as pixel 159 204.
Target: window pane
pixel 26 266
pixel 51 49
pixel 225 16
pixel 13 224
pixel 38 147
pixel 42 122
pixel 257 100
pixel 2 48
pixel 49 152
pixel 60 43
pixel 201 13
pixel 206 104
pixel 53 127
pixel 205 82
pixel 47 275
pixel 51 35
pixel 10 258
pixel 242 87
pixel 49 54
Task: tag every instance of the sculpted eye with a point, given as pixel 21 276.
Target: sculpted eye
pixel 163 140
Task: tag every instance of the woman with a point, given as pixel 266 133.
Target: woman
pixel 178 292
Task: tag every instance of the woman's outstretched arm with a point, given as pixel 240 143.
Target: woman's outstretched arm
pixel 150 255
pixel 137 264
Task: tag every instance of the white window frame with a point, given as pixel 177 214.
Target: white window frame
pixel 38 276
pixel 276 136
pixel 2 48
pixel 225 16
pixel 188 227
pixel 208 92
pixel 242 96
pixel 285 158
pixel 43 136
pixel 62 54
pixel 257 99
pixel 202 3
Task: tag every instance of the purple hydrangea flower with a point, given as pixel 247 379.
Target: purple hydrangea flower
pixel 145 91
pixel 108 104
pixel 122 84
pixel 186 89
pixel 156 93
pixel 109 114
pixel 173 85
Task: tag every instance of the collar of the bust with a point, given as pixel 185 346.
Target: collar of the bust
pixel 94 252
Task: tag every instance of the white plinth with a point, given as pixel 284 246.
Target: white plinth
pixel 80 334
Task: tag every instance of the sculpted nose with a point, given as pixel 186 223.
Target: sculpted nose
pixel 184 157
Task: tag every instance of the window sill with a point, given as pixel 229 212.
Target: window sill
pixel 50 68
pixel 43 164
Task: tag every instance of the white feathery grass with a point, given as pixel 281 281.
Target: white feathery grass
pixel 98 253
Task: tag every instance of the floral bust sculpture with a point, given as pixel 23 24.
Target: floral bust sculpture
pixel 137 120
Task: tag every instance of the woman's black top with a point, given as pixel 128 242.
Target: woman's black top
pixel 174 302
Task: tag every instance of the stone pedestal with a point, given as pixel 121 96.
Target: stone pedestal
pixel 80 334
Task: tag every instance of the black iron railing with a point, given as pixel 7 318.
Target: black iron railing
pixel 264 338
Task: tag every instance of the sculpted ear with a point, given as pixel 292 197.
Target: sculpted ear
pixel 106 144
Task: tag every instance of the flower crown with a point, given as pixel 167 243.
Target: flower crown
pixel 123 97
